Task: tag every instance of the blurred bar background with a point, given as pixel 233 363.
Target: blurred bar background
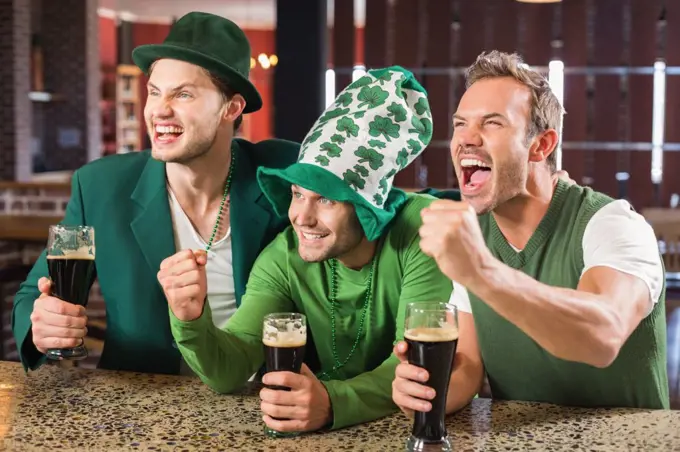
pixel 72 95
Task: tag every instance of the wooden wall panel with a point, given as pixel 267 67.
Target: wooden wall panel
pixel 407 34
pixel 608 51
pixel 641 90
pixel 441 90
pixel 535 43
pixel 375 34
pixel 671 162
pixel 472 30
pixel 343 42
pixel 501 25
pixel 575 52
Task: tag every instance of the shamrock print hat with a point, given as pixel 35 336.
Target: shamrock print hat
pixel 376 127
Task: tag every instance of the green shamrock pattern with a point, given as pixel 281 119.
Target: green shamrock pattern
pixel 385 77
pixel 382 126
pixel 375 127
pixel 338 139
pixel 361 170
pixel 422 107
pixel 383 184
pixel 322 160
pixel 336 113
pixel 402 158
pixel 376 144
pixel 354 180
pixel 397 112
pixel 348 126
pixel 344 99
pixel 414 146
pixel 311 138
pixel 423 127
pixel 332 149
pixel 363 81
pixel 372 97
pixel 370 156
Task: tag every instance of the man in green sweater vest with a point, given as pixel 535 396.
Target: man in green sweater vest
pixel 565 285
pixel 195 188
pixel 349 262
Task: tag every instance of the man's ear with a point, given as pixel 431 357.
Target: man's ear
pixel 234 108
pixel 544 145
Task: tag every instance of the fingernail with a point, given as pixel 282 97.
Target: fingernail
pixel 422 376
pixel 425 407
pixel 430 394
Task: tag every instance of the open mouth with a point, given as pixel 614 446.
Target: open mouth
pixel 167 134
pixel 475 174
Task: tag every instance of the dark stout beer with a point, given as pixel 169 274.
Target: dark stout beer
pixel 284 337
pixel 284 354
pixel 432 349
pixel 71 277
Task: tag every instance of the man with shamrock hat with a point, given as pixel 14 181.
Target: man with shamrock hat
pixel 350 261
pixel 195 189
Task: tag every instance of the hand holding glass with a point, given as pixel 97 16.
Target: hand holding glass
pixel 431 331
pixel 284 336
pixel 70 261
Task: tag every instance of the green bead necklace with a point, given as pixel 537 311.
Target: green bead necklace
pixel 227 186
pixel 333 299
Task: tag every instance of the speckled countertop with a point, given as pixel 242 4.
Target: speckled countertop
pixel 76 409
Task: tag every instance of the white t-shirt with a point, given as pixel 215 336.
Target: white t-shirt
pixel 615 237
pixel 219 269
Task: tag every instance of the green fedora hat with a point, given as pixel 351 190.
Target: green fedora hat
pixel 211 42
pixel 375 128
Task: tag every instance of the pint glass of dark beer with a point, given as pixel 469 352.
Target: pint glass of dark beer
pixel 431 331
pixel 70 261
pixel 284 336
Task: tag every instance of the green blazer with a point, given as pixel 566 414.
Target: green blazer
pixel 125 198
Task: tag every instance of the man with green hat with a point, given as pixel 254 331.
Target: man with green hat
pixel 193 195
pixel 350 261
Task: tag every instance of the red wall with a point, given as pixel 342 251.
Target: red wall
pixel 108 45
pixel 258 126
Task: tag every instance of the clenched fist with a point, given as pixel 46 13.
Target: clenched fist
pixel 182 277
pixel 450 234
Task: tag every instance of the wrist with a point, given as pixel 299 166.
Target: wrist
pixel 328 419
pixel 485 275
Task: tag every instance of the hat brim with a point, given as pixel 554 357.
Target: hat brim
pixel 145 55
pixel 275 184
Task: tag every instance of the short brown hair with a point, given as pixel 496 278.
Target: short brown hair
pixel 546 111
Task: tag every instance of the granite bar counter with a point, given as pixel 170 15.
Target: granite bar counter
pixel 77 409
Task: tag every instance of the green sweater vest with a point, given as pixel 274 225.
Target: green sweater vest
pixel 519 369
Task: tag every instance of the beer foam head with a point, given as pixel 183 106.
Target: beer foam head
pixel 292 337
pixel 448 333
pixel 82 253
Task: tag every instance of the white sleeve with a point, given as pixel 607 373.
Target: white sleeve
pixel 620 238
pixel 460 298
